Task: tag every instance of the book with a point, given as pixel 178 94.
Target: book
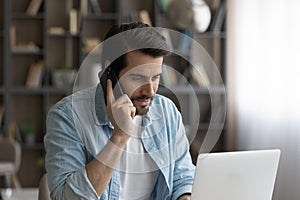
pixel 145 17
pixel 84 7
pixel 56 30
pixel 90 43
pixel 73 21
pixel 13 36
pixel 14 132
pixel 28 47
pixel 34 7
pixel 35 74
pixel 95 6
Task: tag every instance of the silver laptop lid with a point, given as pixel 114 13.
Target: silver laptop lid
pixel 240 175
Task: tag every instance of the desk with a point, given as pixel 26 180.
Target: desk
pixel 23 194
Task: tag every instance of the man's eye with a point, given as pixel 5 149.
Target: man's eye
pixel 137 78
pixel 156 78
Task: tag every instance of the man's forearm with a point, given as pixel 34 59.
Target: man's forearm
pixel 101 168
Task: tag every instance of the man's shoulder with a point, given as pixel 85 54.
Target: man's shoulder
pixel 160 99
pixel 78 97
pixel 165 103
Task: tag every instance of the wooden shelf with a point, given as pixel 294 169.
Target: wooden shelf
pixel 24 16
pixel 103 16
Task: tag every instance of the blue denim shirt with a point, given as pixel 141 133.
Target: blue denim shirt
pixel 78 128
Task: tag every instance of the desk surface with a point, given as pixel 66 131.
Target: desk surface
pixel 24 194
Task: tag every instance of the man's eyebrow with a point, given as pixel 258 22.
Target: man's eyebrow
pixel 159 74
pixel 141 75
pixel 137 75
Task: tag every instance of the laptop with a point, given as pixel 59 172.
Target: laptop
pixel 240 175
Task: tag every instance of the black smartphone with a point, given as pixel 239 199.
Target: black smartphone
pixel 110 74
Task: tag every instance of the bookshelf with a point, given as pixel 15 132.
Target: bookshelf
pixel 211 98
pixel 44 33
pixel 49 36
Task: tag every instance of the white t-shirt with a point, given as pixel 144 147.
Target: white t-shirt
pixel 138 172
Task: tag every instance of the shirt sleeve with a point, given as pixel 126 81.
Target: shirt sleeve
pixel 66 158
pixel 184 169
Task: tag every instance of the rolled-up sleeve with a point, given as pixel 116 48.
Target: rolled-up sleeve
pixel 178 168
pixel 184 170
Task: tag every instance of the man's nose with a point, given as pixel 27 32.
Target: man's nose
pixel 148 89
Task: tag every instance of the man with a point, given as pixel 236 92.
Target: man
pixel 132 146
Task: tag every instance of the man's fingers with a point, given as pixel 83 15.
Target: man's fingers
pixel 132 111
pixel 129 107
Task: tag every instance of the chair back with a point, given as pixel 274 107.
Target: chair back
pixel 44 193
pixel 10 151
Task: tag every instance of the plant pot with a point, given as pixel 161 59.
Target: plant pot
pixel 64 78
pixel 29 139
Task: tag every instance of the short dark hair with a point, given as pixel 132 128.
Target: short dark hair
pixel 137 36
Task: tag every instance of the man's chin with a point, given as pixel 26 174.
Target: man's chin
pixel 142 110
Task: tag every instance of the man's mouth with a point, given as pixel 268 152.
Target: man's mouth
pixel 142 101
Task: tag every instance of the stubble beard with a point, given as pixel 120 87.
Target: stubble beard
pixel 142 110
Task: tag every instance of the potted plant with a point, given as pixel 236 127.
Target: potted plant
pixel 28 132
pixel 64 77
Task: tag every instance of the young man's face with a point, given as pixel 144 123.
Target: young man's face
pixel 140 79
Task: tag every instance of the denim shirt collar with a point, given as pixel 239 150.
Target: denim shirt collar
pixel 100 107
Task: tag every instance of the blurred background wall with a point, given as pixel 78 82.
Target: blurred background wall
pixel 263 84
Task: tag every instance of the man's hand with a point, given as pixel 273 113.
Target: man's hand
pixel 120 111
